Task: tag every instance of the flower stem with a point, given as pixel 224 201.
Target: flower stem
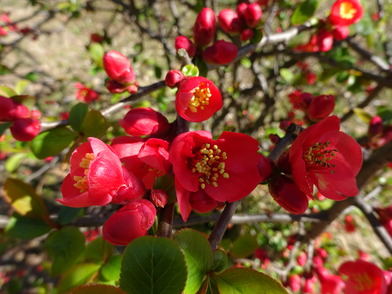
pixel 166 221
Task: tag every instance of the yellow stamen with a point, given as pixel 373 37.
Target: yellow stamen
pixel 347 10
pixel 201 98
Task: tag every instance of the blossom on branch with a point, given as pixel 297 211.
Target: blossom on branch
pixel 213 171
pixel 345 12
pixel 197 99
pixel 85 94
pixel 205 27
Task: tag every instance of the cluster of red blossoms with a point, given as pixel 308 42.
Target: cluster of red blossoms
pixel 320 156
pixel 120 73
pixel 85 94
pixel 24 123
pixel 243 21
pixel 336 27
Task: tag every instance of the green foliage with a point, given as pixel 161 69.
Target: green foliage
pixel 77 275
pixel 244 246
pixel 26 228
pixel 304 11
pixel 153 265
pixel 77 116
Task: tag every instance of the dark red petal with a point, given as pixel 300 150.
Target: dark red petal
pixel 183 198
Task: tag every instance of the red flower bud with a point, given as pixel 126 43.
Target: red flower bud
pixel 118 67
pixel 173 77
pixel 222 52
pixel 246 35
pixel 286 193
pixel 11 110
pixel 375 126
pixel 25 129
pixel 294 282
pixel 205 27
pixel 184 43
pixel 230 22
pixel 131 221
pixel 159 197
pixel 252 15
pixel 116 87
pixel 197 99
pixel 321 107
pixel 144 121
pixel 345 12
pixel 340 32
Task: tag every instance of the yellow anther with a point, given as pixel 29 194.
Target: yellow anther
pixel 347 10
pixel 200 98
pixel 226 175
pixel 203 186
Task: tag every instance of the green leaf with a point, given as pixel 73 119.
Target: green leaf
pixel 111 270
pixel 198 257
pixel 13 162
pixel 26 228
pixel 247 281
pixel 153 265
pixel 97 289
pixel 245 61
pixel 64 247
pixel 77 115
pixel 221 260
pixel 94 124
pixel 190 70
pixel 96 53
pixel 23 198
pixel 287 75
pixel 244 246
pixel 7 91
pixel 52 142
pixel 98 250
pixel 363 115
pixel 67 214
pixel 4 127
pixel 304 12
pixel 21 86
pixel 77 275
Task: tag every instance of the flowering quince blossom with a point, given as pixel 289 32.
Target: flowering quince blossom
pixel 131 221
pixel 120 72
pixel 213 171
pixel 25 129
pixel 330 284
pixel 144 121
pixel 11 110
pixel 85 94
pixel 326 157
pixel 173 78
pixel 345 12
pixel 364 277
pixel 146 159
pixel 97 178
pixel 183 42
pixel 220 53
pixel 205 27
pixel 197 99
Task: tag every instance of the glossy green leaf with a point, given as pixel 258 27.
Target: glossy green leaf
pixel 244 246
pixel 23 198
pixel 98 250
pixel 21 86
pixel 77 115
pixel 52 142
pixel 97 289
pixel 221 260
pixel 79 274
pixel 67 214
pixel 26 228
pixel 96 53
pixel 190 70
pixel 247 281
pixel 64 247
pixel 13 162
pixel 198 257
pixel 110 271
pixel 94 124
pixel 153 265
pixel 304 12
pixel 7 91
pixel 363 115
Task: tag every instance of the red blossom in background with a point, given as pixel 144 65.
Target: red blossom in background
pixel 345 12
pixel 225 169
pixel 25 129
pixel 326 157
pixel 143 122
pixel 251 13
pixel 197 99
pixel 220 53
pixel 97 178
pixel 205 27
pixel 11 110
pixel 131 221
pixel 182 42
pixel 230 22
pixel 85 94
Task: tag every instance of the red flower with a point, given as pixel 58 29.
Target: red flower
pixel 25 129
pixel 197 99
pixel 363 278
pixel 147 160
pixel 345 12
pixel 144 121
pixel 340 32
pixel 251 13
pixel 330 284
pixel 320 107
pixel 11 110
pixel 131 221
pixel 349 224
pixel 205 27
pixel 230 22
pixel 182 42
pixel 222 52
pixel 323 156
pixel 225 169
pixel 173 78
pixel 97 178
pixel 85 94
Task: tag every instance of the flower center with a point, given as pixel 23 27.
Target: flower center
pixel 209 162
pixel 347 10
pixel 82 182
pixel 201 97
pixel 319 155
